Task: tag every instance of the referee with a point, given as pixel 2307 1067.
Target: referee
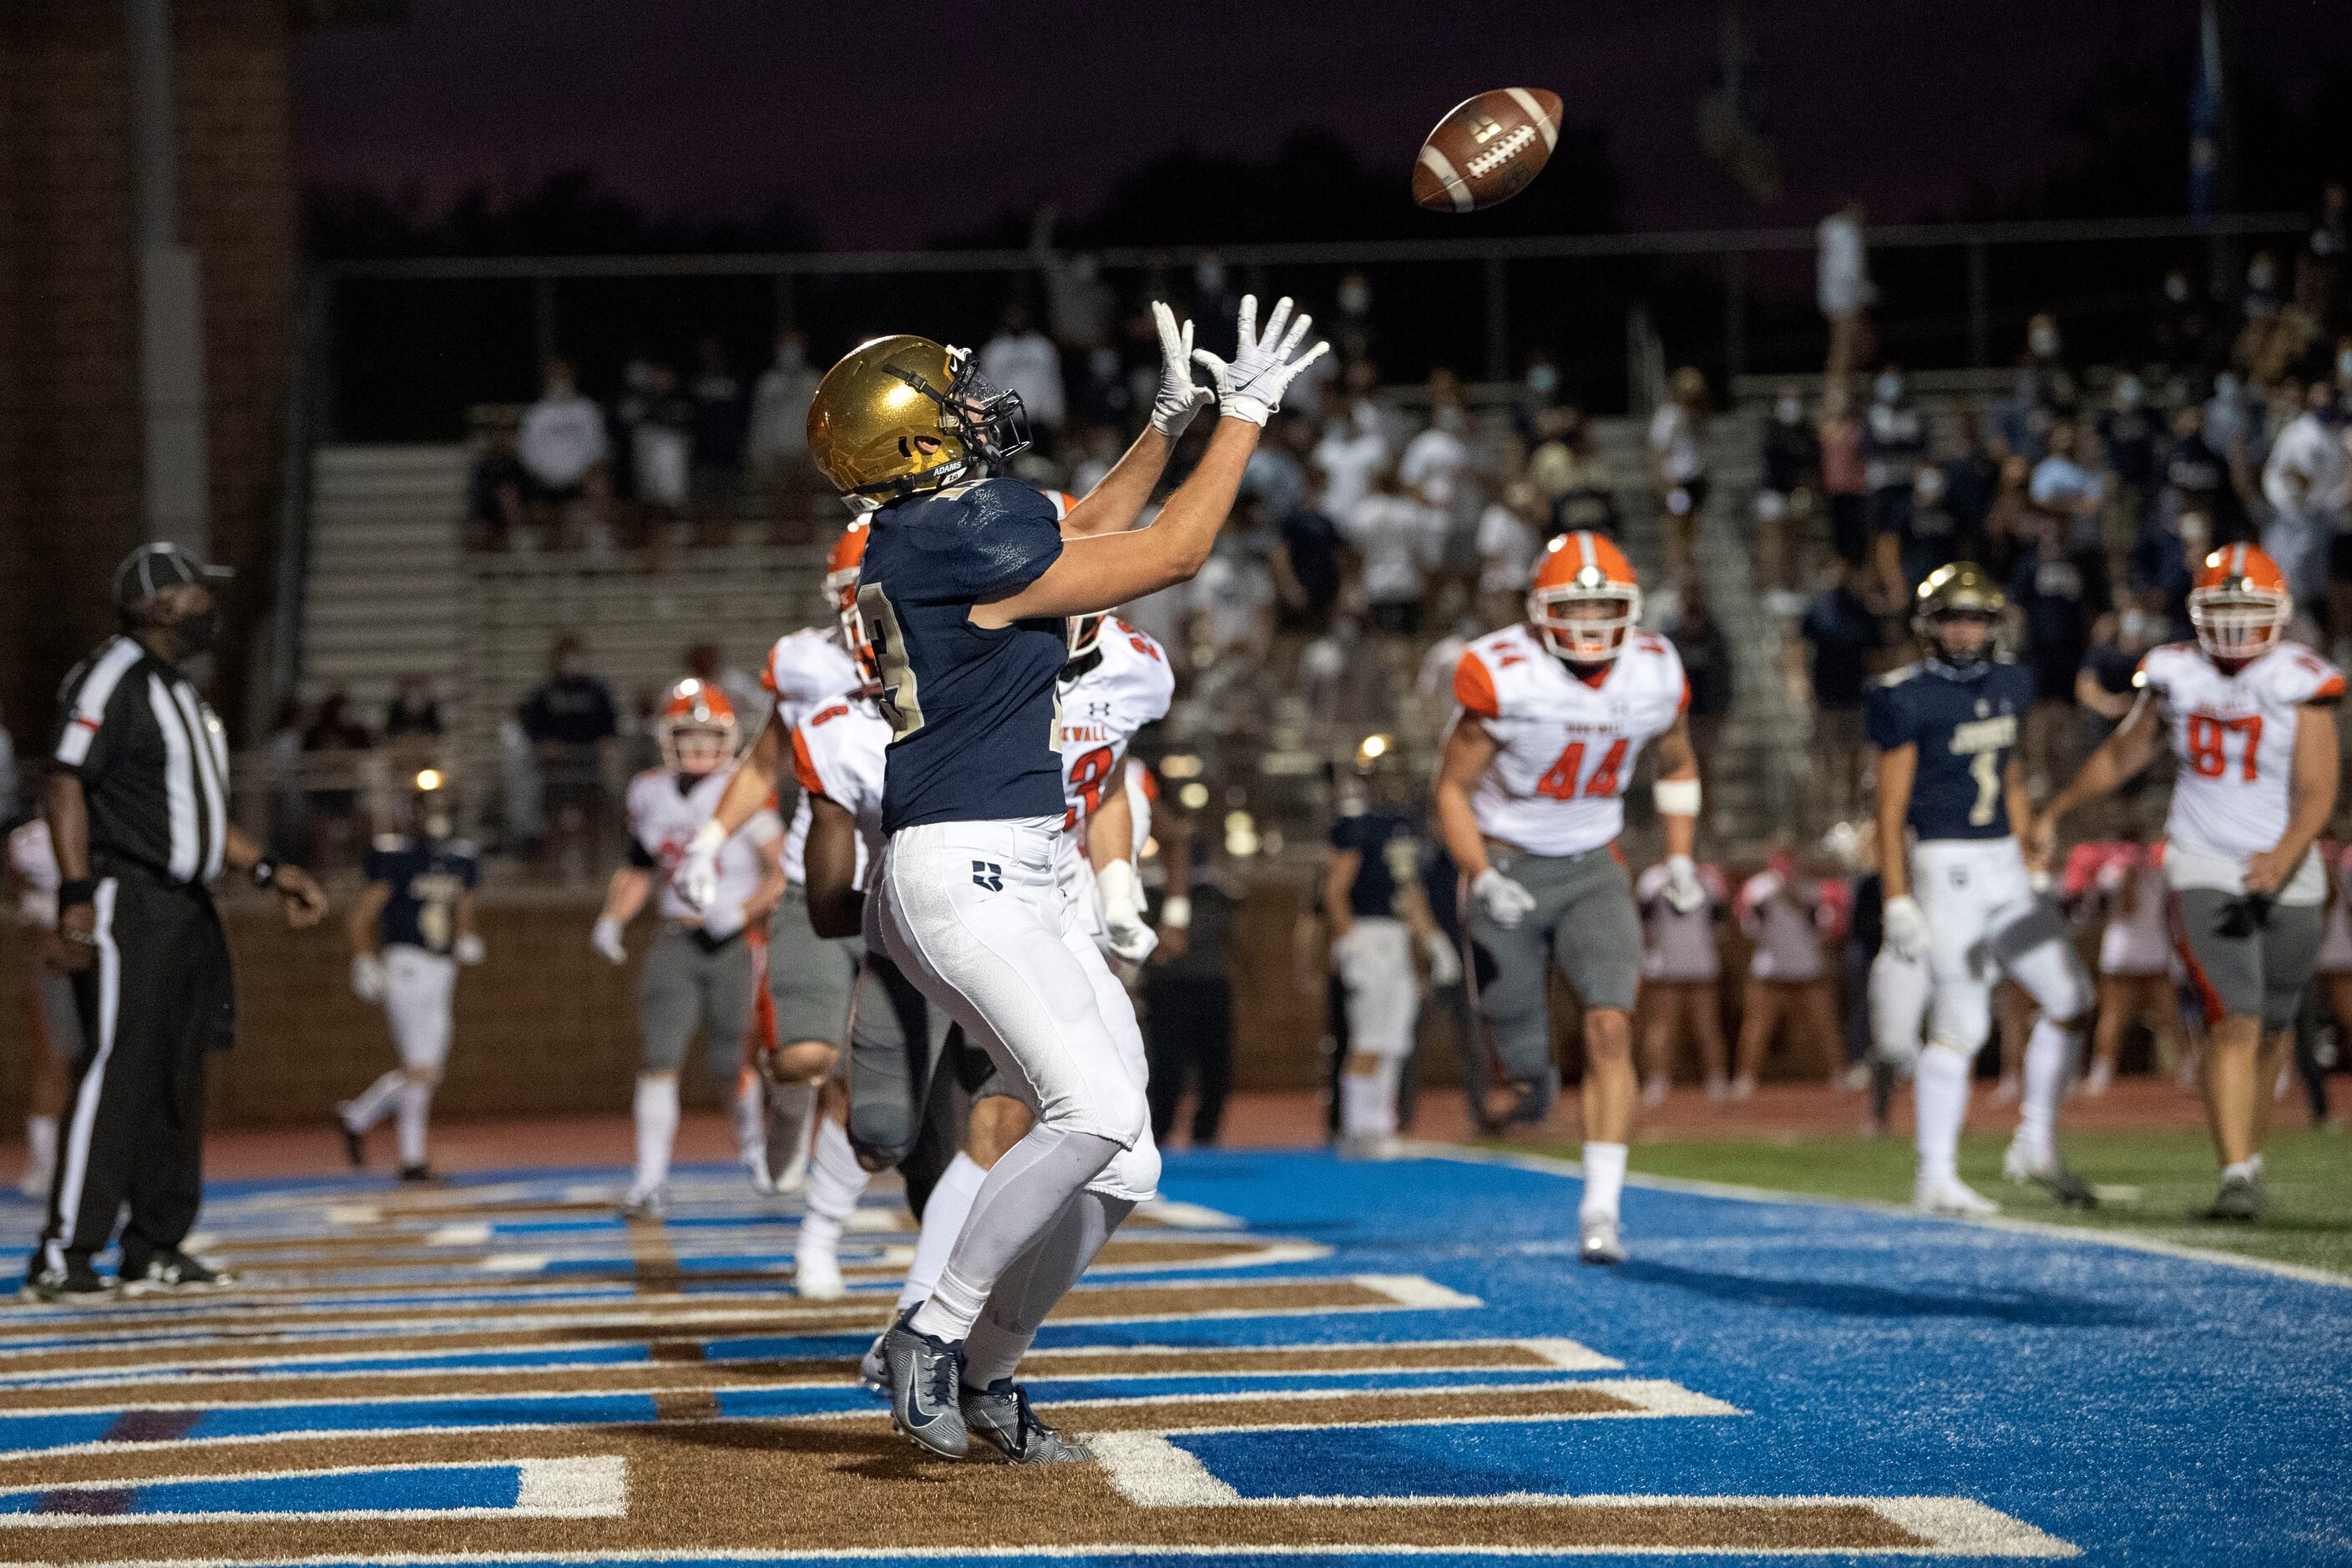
pixel 138 811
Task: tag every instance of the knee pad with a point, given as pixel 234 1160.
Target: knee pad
pixel 1960 1017
pixel 881 1130
pixel 1132 1174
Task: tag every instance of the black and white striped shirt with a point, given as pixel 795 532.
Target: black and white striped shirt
pixel 153 760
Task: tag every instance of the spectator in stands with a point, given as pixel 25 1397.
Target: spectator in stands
pixel 1508 539
pixel 1842 288
pixel 1678 466
pixel 2104 686
pixel 1188 987
pixel 2129 435
pixel 412 722
pixel 1022 359
pixel 2129 897
pixel 1706 658
pixel 721 429
pixel 498 486
pixel 1400 540
pixel 1865 932
pixel 1232 602
pixel 2334 977
pixel 2063 484
pixel 1308 562
pixel 2195 476
pixel 1216 305
pixel 334 754
pixel 1782 913
pixel 289 804
pixel 2182 340
pixel 776 444
pixel 1079 306
pixel 2044 387
pixel 660 422
pixel 571 723
pixel 1681 994
pixel 2330 242
pixel 1569 476
pixel 1845 482
pixel 563 451
pixel 1840 636
pixel 1893 445
pixel 2059 589
pixel 1932 537
pixel 1784 500
pixel 2306 481
pixel 1353 339
pixel 1435 467
pixel 1354 445
pixel 1276 475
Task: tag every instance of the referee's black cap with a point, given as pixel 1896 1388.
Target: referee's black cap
pixel 152 568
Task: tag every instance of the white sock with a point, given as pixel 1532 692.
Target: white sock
pixel 1939 1085
pixel 1023 1198
pixel 657 1119
pixel 751 1127
pixel 1604 1178
pixel 376 1102
pixel 1368 1102
pixel 41 1144
pixel 943 1215
pixel 416 1103
pixel 2049 1051
pixel 795 1111
pixel 836 1181
pixel 1029 1289
pixel 2243 1170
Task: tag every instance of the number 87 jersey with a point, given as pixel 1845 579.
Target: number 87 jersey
pixel 1564 746
pixel 2234 732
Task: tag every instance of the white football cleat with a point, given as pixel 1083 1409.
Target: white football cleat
pixel 816 1275
pixel 1598 1241
pixel 1954 1198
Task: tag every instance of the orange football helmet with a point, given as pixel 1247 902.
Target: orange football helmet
pixel 1085 630
pixel 2240 603
pixel 841 570
pixel 1585 600
pixel 696 728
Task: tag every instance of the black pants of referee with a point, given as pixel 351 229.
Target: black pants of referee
pixel 1191 1029
pixel 155 1004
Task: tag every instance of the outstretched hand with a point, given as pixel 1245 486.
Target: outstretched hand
pixel 1250 386
pixel 1179 396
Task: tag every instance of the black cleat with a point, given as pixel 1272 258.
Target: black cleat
pixel 2239 1199
pixel 422 1175
pixel 76 1284
pixel 2071 1191
pixel 172 1271
pixel 354 1143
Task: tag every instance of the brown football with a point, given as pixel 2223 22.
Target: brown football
pixel 1486 149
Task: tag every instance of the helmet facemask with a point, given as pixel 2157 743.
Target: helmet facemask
pixel 1931 627
pixel 2236 621
pixel 981 426
pixel 1588 620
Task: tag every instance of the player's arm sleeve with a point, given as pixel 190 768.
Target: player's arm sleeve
pixel 1888 717
pixel 1474 687
pixel 1007 536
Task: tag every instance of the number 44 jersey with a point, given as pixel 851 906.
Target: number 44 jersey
pixel 1564 746
pixel 1966 724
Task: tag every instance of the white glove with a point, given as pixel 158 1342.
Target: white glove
pixel 1444 963
pixel 368 977
pixel 1505 902
pixel 1180 397
pixel 1907 928
pixel 469 950
pixel 1131 936
pixel 720 921
pixel 1251 387
pixel 606 940
pixel 698 874
pixel 1683 891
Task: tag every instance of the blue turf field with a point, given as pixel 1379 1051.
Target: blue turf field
pixel 2143 1408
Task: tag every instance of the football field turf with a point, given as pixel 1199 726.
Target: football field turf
pixel 1296 1357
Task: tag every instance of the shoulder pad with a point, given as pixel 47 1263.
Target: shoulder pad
pixel 1896 677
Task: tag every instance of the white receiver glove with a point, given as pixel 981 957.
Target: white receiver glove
pixel 606 940
pixel 1907 928
pixel 698 874
pixel 1505 902
pixel 1131 936
pixel 469 950
pixel 1444 963
pixel 720 921
pixel 1251 387
pixel 1683 889
pixel 1180 397
pixel 368 977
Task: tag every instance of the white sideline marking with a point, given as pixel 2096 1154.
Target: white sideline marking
pixel 514 1263
pixel 475 1235
pixel 1181 1216
pixel 591 1487
pixel 1414 1290
pixel 1545 1165
pixel 1150 1472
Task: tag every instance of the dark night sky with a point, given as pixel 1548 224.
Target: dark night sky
pixel 891 124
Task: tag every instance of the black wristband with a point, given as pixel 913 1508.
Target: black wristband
pixel 265 873
pixel 81 890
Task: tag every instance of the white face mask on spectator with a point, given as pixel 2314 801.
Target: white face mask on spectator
pixel 1543 380
pixel 2128 392
pixel 1355 299
pixel 1788 410
pixel 1889 388
pixel 2044 342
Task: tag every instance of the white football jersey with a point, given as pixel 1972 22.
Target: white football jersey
pixel 2235 736
pixel 1142 789
pixel 805 670
pixel 35 861
pixel 663 818
pixel 1129 687
pixel 1564 749
pixel 2136 938
pixel 840 752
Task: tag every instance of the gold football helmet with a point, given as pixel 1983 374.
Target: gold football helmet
pixel 901 415
pixel 1961 588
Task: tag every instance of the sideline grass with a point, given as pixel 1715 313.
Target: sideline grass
pixel 2309 1174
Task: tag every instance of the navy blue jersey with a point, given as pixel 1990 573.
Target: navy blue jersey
pixel 1391 859
pixel 427 876
pixel 1966 726
pixel 971 710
